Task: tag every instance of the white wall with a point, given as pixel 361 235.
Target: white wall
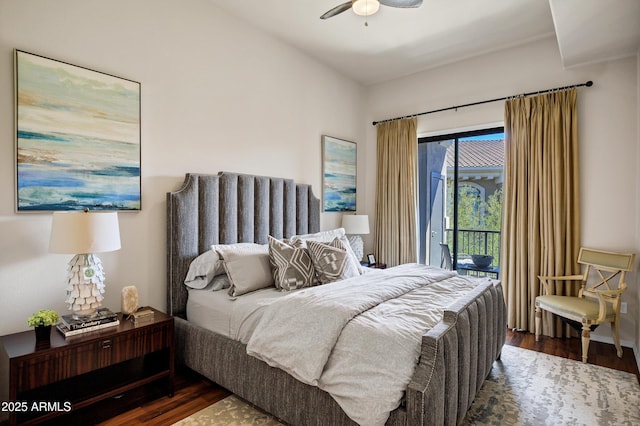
pixel 216 95
pixel 608 132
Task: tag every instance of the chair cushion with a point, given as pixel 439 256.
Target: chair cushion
pixel 572 306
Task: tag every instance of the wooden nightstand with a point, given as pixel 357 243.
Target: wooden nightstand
pixel 375 265
pixel 41 384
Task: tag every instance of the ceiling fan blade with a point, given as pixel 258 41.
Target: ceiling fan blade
pixel 401 3
pixel 337 10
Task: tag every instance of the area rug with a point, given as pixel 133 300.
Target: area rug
pixel 532 388
pixel 230 411
pixel 523 388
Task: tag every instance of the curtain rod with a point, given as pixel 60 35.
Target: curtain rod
pixel 557 89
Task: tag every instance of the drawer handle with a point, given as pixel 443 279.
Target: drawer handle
pixel 106 344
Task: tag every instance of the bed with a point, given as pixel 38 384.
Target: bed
pixel 455 355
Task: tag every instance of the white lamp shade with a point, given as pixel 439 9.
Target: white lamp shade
pixel 84 232
pixel 365 7
pixel 355 224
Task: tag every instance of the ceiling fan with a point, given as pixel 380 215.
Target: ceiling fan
pixel 369 7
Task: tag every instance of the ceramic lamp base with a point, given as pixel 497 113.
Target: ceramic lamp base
pixel 85 285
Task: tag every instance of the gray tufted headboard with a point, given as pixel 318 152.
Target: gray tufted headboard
pixel 228 208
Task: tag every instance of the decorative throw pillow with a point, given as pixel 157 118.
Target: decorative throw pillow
pixel 331 261
pixel 291 266
pixel 246 271
pixel 327 237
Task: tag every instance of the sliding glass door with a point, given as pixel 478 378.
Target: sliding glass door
pixel 460 199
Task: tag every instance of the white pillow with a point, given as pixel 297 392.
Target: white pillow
pixel 208 265
pixel 247 271
pixel 322 236
pixel 202 270
pixel 220 282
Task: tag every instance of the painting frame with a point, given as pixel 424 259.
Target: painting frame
pixel 339 174
pixel 77 137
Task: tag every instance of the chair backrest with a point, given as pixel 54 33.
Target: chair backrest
pixel 446 257
pixel 611 262
pixel 606 260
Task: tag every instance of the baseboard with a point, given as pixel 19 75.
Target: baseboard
pixel 609 340
pixel 624 343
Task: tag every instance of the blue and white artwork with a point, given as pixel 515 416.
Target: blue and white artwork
pixel 338 175
pixel 78 137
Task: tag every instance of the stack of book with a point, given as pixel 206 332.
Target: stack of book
pixel 142 316
pixel 70 325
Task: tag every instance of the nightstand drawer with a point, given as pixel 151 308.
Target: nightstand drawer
pixel 138 343
pixel 51 368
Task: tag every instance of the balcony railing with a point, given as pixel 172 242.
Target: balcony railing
pixel 476 241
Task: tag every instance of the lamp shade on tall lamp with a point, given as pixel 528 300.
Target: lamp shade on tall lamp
pixel 84 234
pixel 355 225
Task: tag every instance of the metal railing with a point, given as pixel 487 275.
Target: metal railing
pixel 476 241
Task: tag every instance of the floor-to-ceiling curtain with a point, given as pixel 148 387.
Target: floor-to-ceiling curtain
pixel 396 192
pixel 541 217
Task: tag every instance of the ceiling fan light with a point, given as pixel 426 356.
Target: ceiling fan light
pixel 365 7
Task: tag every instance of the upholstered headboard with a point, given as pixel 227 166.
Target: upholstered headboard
pixel 228 208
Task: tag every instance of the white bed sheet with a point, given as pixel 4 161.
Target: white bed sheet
pixel 233 316
pixel 228 315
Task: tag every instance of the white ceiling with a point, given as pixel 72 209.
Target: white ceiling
pixel 400 42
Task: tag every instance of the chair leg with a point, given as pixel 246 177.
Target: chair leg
pixel 615 327
pixel 538 324
pixel 586 335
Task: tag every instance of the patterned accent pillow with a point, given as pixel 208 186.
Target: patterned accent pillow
pixel 291 266
pixel 327 237
pixel 331 261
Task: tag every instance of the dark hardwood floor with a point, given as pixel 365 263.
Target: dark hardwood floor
pixel 193 392
pixel 602 354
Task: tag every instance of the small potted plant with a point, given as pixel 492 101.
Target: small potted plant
pixel 42 322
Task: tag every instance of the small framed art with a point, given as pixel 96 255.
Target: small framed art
pixel 371 259
pixel 338 175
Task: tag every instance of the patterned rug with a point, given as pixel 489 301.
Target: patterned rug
pixel 523 388
pixel 230 411
pixel 532 388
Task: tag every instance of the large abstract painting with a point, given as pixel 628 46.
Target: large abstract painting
pixel 77 137
pixel 338 175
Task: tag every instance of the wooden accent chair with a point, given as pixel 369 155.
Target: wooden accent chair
pixel 597 304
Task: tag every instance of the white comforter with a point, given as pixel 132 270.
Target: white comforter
pixel 358 339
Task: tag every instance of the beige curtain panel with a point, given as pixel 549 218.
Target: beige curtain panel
pixel 396 192
pixel 541 217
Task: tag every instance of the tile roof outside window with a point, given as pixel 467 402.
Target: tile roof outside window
pixel 478 154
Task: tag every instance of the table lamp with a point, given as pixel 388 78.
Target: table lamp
pixel 355 225
pixel 84 234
